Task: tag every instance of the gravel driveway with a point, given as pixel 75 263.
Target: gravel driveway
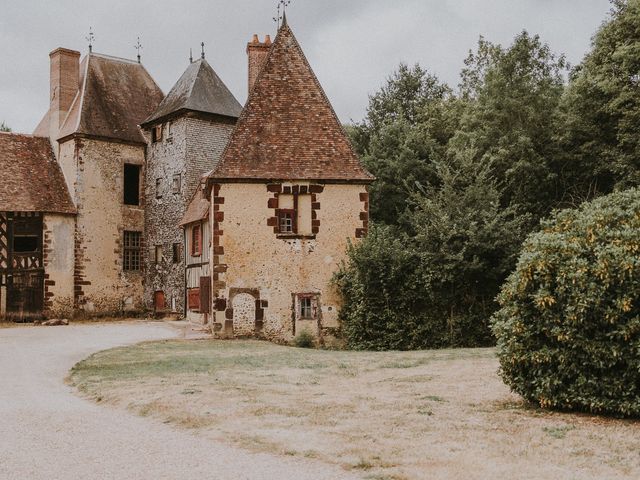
pixel 47 432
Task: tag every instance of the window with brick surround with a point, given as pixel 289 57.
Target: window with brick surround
pixel 158 254
pixel 294 214
pixel 196 240
pixel 131 185
pixel 132 251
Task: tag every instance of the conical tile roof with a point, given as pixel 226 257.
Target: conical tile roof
pixel 288 129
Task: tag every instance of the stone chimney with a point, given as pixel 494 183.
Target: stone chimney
pixel 64 82
pixel 257 53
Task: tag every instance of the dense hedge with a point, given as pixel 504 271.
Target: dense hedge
pixel 568 330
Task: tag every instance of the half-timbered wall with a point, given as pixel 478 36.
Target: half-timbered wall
pixel 197 267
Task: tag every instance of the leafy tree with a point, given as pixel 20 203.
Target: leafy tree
pixel 4 127
pixel 569 327
pixel 384 298
pixel 435 286
pixel 600 127
pixel 512 96
pixel 408 124
pixel 467 244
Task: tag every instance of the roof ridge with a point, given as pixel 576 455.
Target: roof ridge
pixel 20 134
pixel 113 57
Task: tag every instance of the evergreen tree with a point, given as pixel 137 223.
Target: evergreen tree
pixel 4 127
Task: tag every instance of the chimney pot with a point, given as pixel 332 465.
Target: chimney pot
pixel 257 54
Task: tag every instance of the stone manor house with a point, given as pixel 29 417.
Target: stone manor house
pixel 126 200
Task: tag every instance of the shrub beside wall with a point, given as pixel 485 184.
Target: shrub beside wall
pixel 568 330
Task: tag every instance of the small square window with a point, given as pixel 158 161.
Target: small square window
pixel 287 221
pixel 176 185
pixel 158 188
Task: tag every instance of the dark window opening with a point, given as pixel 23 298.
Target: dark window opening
pixel 132 251
pixel 131 184
pixel 158 188
pixel 177 254
pixel 25 244
pixel 196 241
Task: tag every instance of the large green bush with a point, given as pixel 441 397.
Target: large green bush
pixel 568 329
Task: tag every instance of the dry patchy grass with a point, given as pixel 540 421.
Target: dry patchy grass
pixel 391 415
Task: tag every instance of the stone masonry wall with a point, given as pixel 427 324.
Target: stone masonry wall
pixel 58 261
pixel 94 170
pixel 192 148
pixel 250 258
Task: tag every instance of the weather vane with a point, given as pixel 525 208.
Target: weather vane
pixel 138 46
pixel 282 7
pixel 90 39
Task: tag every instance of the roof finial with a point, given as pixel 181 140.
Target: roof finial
pixel 202 54
pixel 90 38
pixel 191 55
pixel 282 5
pixel 138 47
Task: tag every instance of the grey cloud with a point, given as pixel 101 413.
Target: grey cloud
pixel 352 45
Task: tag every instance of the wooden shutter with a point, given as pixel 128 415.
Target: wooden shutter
pixel 205 294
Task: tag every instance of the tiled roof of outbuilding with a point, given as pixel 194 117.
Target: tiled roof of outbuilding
pixel 197 210
pixel 32 180
pixel 115 96
pixel 199 89
pixel 288 129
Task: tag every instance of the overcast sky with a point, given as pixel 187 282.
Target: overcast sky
pixel 353 45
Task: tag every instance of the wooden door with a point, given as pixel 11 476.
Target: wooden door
pixel 159 302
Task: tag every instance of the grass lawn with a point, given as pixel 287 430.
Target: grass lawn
pixel 392 415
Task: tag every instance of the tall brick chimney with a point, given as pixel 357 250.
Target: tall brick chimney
pixel 257 53
pixel 64 82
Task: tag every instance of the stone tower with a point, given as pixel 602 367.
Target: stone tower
pixel 187 134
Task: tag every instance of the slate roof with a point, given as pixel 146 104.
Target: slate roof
pixel 115 96
pixel 197 210
pixel 288 129
pixel 198 89
pixel 32 180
